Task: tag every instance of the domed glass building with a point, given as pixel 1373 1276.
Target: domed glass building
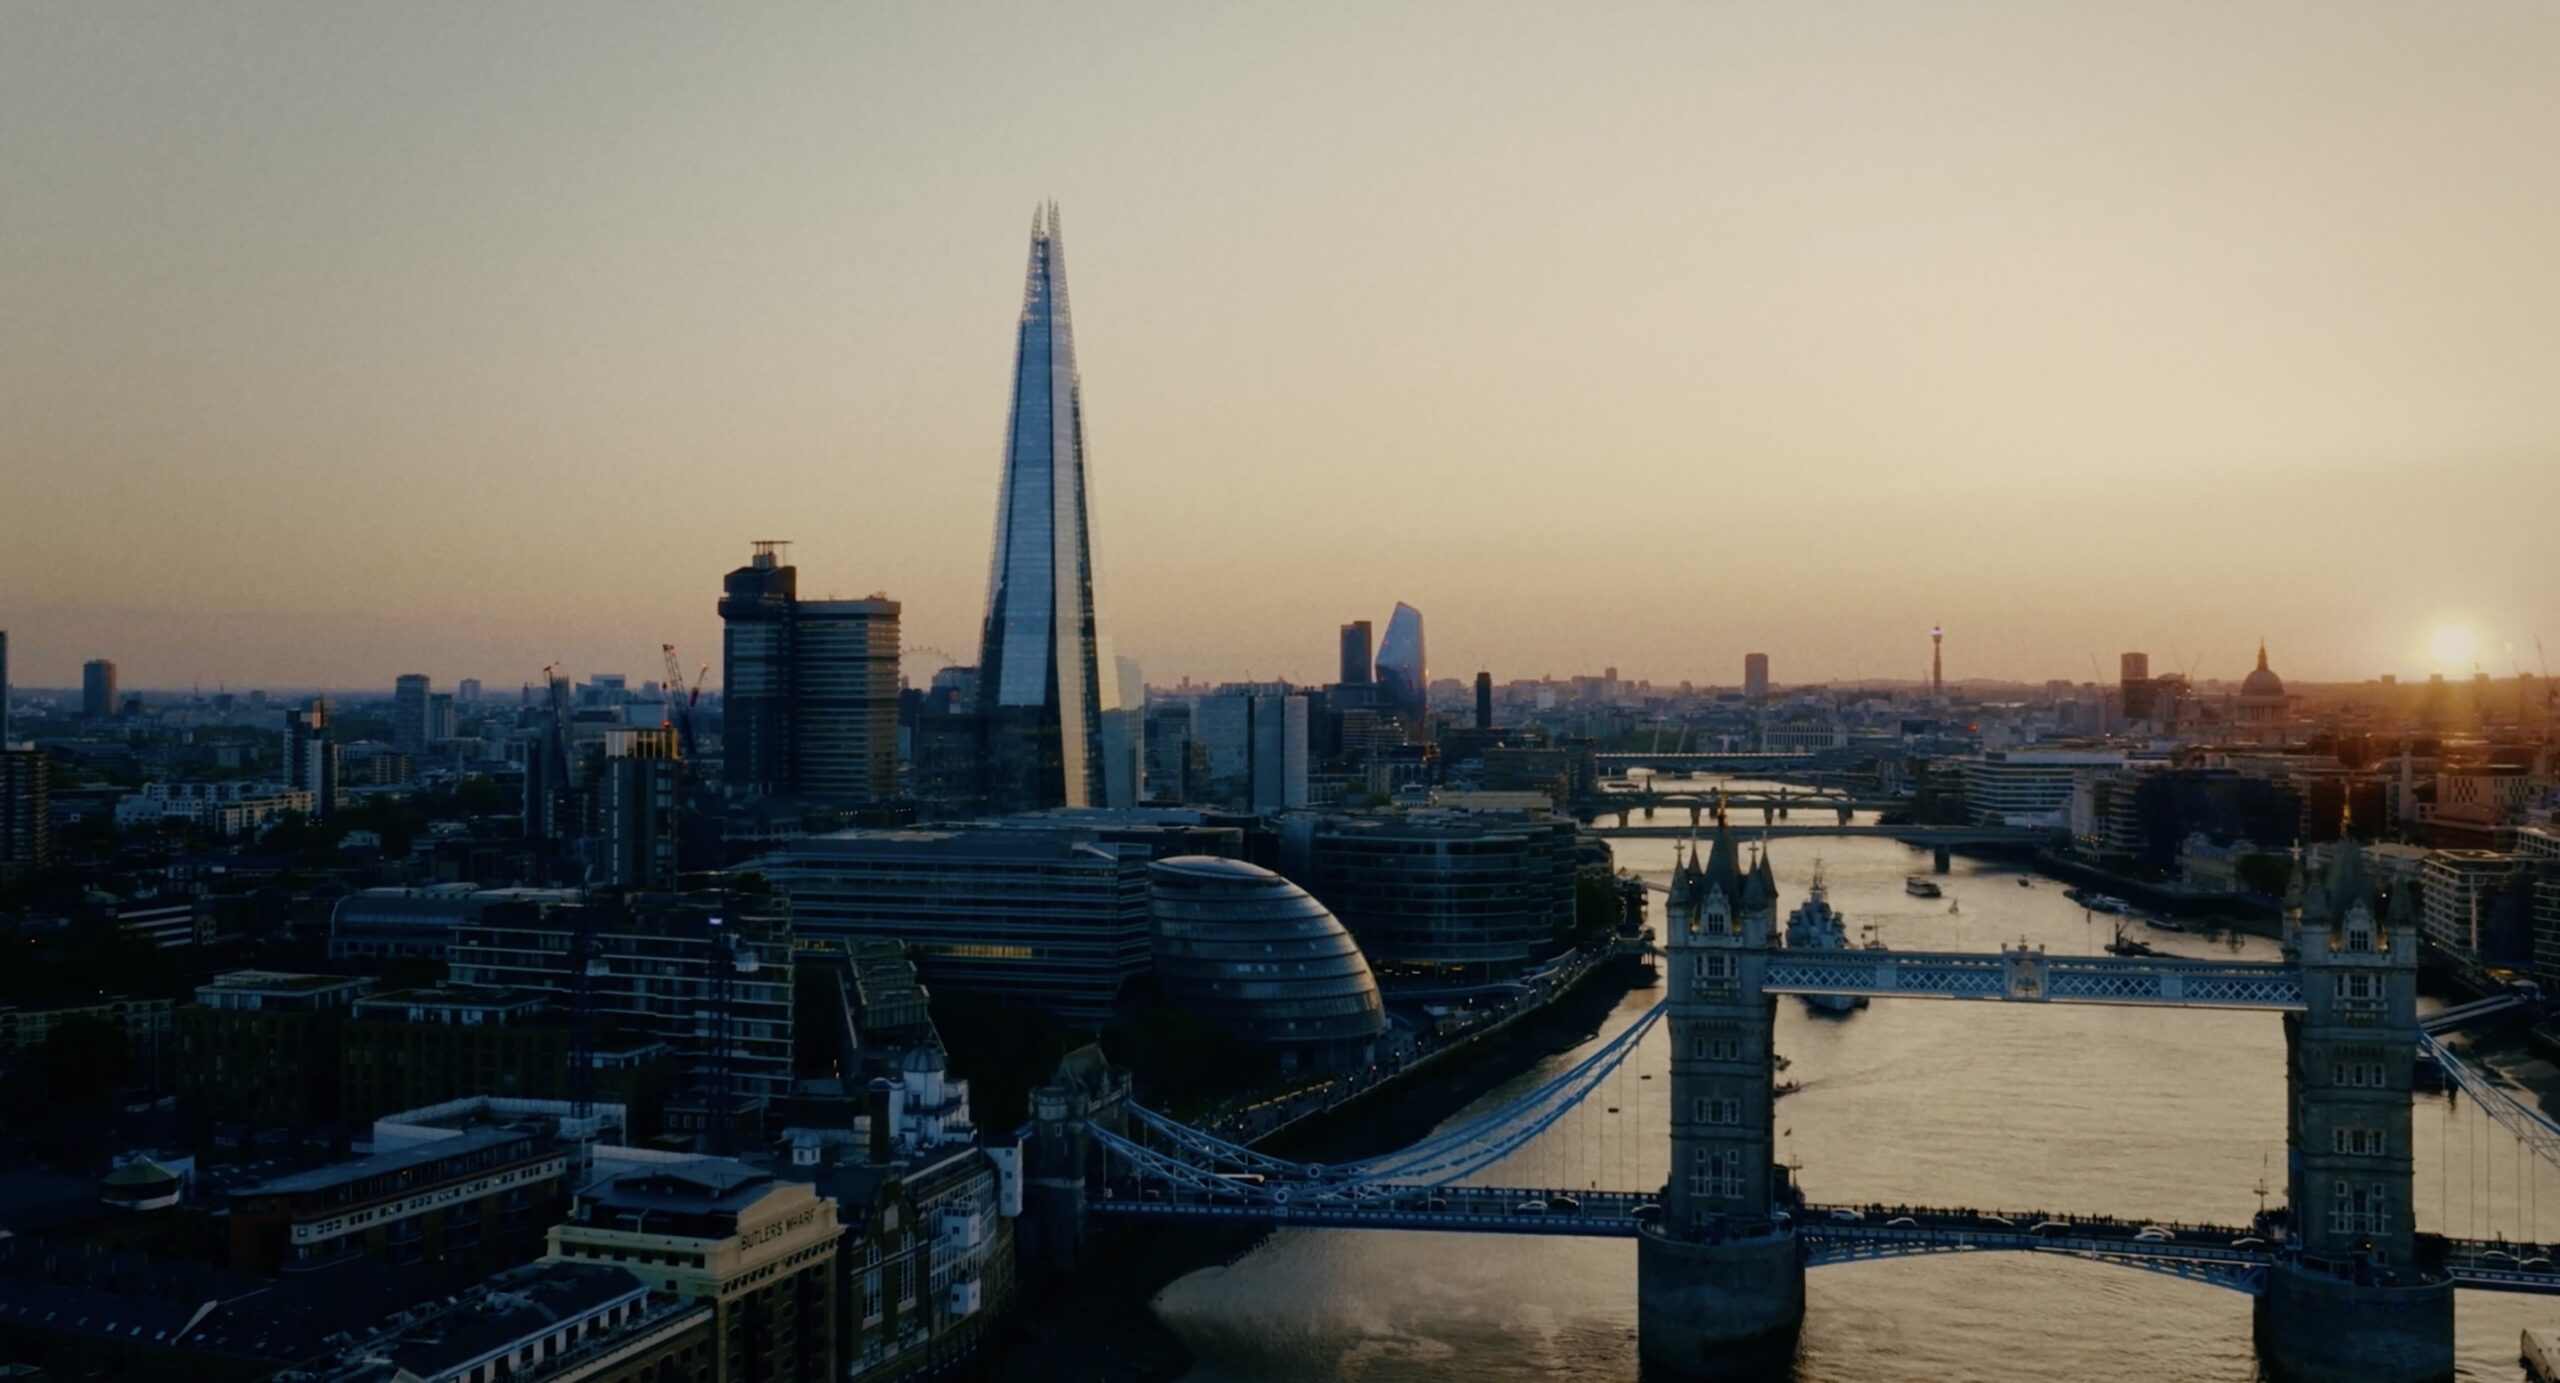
pixel 1251 952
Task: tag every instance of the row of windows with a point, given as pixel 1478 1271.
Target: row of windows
pixel 1714 1173
pixel 2370 1075
pixel 1716 1111
pixel 2361 1141
pixel 2359 1211
pixel 1715 1044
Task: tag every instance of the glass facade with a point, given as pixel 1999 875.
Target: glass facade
pixel 1403 673
pixel 1485 892
pixel 845 731
pixel 1052 919
pixel 755 663
pixel 1042 692
pixel 1251 952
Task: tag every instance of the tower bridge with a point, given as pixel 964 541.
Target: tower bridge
pixel 2345 1287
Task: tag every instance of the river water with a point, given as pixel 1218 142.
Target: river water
pixel 2157 1113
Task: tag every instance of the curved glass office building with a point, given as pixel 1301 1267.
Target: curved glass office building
pixel 1404 676
pixel 1480 894
pixel 1251 952
pixel 1041 683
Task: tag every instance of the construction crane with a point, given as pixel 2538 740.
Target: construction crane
pixel 680 699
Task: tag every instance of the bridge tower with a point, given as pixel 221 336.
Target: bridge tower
pixel 1720 1279
pixel 2345 1302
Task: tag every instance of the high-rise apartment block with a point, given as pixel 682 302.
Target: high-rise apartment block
pixel 1043 681
pixel 409 728
pixel 633 830
pixel 1755 676
pixel 676 968
pixel 311 758
pixel 98 689
pixel 809 688
pixel 26 830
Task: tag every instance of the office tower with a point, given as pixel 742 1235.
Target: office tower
pixel 633 832
pixel 843 720
pixel 1755 676
pixel 409 713
pixel 26 827
pixel 755 672
pixel 1041 692
pixel 1355 654
pixel 1046 918
pixel 2141 694
pixel 98 689
pixel 4 688
pixel 1169 752
pixel 441 722
pixel 310 758
pixel 1937 667
pixel 1254 744
pixel 1481 893
pixel 467 691
pixel 1124 737
pixel 1403 674
pixel 1484 700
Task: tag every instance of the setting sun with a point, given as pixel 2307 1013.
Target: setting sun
pixel 2453 643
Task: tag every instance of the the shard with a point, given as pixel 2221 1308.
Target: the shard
pixel 1041 688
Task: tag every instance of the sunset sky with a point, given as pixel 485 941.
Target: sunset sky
pixel 339 341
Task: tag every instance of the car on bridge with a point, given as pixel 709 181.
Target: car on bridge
pixel 1846 1216
pixel 2049 1227
pixel 1645 1214
pixel 1997 1221
pixel 1565 1204
pixel 2153 1234
pixel 1902 1222
pixel 1530 1208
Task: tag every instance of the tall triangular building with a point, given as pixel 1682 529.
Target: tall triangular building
pixel 1041 692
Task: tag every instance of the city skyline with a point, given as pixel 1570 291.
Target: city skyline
pixel 1933 304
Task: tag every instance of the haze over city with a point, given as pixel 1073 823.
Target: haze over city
pixel 355 340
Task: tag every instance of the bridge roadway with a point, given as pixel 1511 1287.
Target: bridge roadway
pixel 2030 975
pixel 1914 835
pixel 1623 759
pixel 2221 1255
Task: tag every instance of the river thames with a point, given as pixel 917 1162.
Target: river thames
pixel 2162 1114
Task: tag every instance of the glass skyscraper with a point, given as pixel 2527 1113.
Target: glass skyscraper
pixel 1403 675
pixel 1041 686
